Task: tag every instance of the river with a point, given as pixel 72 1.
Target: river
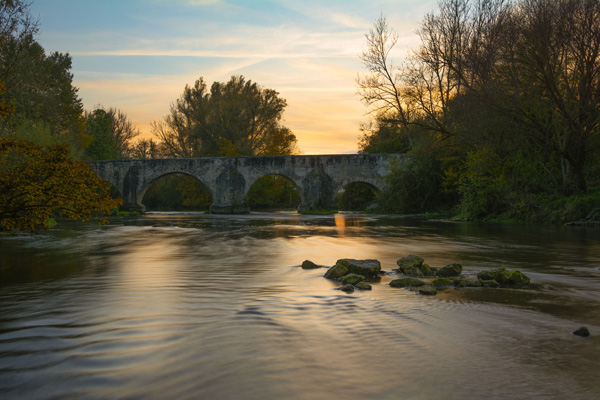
pixel 194 306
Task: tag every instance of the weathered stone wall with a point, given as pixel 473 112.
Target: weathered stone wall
pixel 228 179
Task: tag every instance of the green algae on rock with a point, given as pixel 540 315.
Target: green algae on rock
pixel 406 282
pixel 450 270
pixel 307 264
pixel 366 268
pixel 352 279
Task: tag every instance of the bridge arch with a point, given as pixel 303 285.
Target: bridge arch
pixel 156 180
pixel 357 196
pixel 273 190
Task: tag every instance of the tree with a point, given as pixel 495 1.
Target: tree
pixel 513 81
pixel 233 118
pixel 38 85
pixel 38 182
pixel 111 134
pixel 145 149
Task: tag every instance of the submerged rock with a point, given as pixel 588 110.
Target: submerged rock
pixel 335 272
pixel 413 271
pixel 406 282
pixel 427 270
pixel 410 261
pixel 518 278
pixel 352 279
pixel 583 332
pixel 307 264
pixel 363 286
pixel 489 283
pixel 428 290
pixel 467 282
pixel 450 270
pixel 347 288
pixel 366 268
pixel 442 282
pixel 497 274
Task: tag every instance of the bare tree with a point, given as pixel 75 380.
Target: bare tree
pixel 382 89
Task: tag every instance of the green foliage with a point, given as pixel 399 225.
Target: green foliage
pixel 507 95
pixel 482 185
pixel 357 196
pixel 231 119
pixel 37 182
pixel 273 192
pixel 383 136
pixel 103 145
pixel 414 186
pixel 38 101
pixel 177 193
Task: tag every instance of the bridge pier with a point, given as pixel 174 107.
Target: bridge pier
pixel 317 191
pixel 230 193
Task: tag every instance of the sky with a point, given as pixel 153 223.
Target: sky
pixel 138 55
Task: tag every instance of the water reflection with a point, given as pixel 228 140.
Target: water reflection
pixel 206 306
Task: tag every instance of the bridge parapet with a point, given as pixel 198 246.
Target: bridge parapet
pixel 318 177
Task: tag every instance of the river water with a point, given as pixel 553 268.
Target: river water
pixel 193 306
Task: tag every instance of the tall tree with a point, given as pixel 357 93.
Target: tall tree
pixel 38 85
pixel 111 134
pixel 234 118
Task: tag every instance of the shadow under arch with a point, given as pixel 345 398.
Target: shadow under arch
pixel 357 196
pixel 176 191
pixel 274 192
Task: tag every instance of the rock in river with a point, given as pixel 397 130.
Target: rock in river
pixel 406 282
pixel 335 272
pixel 352 279
pixel 411 261
pixel 427 290
pixel 366 268
pixel 347 288
pixel 518 278
pixel 307 264
pixel 363 286
pixel 497 274
pixel 450 270
pixel 583 332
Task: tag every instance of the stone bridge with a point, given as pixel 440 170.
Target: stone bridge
pixel 318 178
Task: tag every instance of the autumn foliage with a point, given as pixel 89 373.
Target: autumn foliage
pixel 37 183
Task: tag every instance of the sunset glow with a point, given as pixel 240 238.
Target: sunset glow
pixel 139 55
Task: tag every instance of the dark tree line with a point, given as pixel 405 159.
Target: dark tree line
pixel 500 104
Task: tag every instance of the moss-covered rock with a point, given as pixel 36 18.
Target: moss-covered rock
pixel 347 288
pixel 428 290
pixel 406 282
pixel 442 282
pixel 489 283
pixel 466 281
pixel 410 261
pixel 427 270
pixel 363 286
pixel 450 271
pixel 412 271
pixel 336 272
pixel 499 275
pixel 366 268
pixel 518 278
pixel 307 264
pixel 352 279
